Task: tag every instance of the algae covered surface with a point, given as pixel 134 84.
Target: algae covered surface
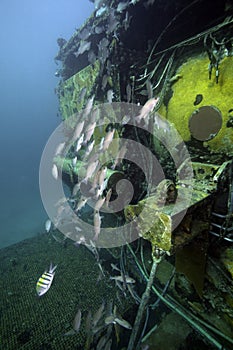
pixel 194 81
pixel 32 322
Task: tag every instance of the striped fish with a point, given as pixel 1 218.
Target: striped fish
pixel 44 282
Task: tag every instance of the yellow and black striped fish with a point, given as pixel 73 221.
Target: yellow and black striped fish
pixel 44 282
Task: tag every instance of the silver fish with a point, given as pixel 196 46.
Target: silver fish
pixel 74 161
pixel 101 144
pixel 81 203
pixel 114 318
pixel 88 106
pixel 109 319
pixel 108 139
pixel 123 323
pixel 82 94
pixel 128 92
pixel 78 130
pixel 110 96
pixel 101 11
pixel 147 108
pixel 114 267
pixel 89 132
pixel 91 169
pixel 98 314
pixel 108 197
pixel 121 279
pixel 76 188
pixel 89 148
pixel 48 225
pixel 55 171
pixel 77 320
pixel 59 149
pixel 44 282
pixel 122 6
pixel 79 143
pixel 97 225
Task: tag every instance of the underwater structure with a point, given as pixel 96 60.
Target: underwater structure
pixel 127 53
pixel 145 100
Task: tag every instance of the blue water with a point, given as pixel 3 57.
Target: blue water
pixel 28 105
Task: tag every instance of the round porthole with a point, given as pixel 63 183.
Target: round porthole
pixel 205 123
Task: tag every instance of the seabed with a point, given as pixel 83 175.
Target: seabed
pixel 32 322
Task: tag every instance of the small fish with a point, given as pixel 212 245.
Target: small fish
pixel 77 132
pixel 110 95
pixel 101 144
pixel 91 169
pixel 122 6
pixel 108 139
pixel 109 319
pixel 48 225
pixel 79 143
pixel 128 93
pixel 123 323
pixel 117 319
pixel 74 161
pixel 147 108
pixel 121 279
pixel 89 148
pixel 82 94
pixel 114 267
pixel 77 320
pixel 88 106
pixel 55 171
pixel 76 188
pixel 81 203
pixel 101 11
pixel 108 197
pixel 97 225
pixel 98 314
pixel 44 282
pixel 89 132
pixel 59 148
